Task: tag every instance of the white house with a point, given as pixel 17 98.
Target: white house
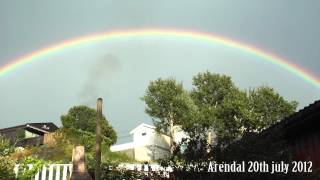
pixel 147 144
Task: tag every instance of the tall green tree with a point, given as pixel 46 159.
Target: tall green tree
pixel 268 106
pixel 167 102
pixel 235 115
pixel 209 92
pixel 84 118
pixel 214 102
pixel 233 112
pixel 232 115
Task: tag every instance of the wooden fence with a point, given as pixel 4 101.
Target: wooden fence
pixel 50 172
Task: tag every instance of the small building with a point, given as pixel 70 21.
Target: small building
pixel 301 131
pixel 29 134
pixel 303 134
pixel 147 144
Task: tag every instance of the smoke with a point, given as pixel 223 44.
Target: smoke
pixel 102 71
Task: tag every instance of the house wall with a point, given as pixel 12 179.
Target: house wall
pixel 50 138
pixel 143 136
pixel 147 136
pixel 12 133
pixel 147 144
pixel 150 145
pixel 306 147
pixel 161 153
pixel 150 153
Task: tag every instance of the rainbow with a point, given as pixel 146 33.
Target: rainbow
pixel 210 38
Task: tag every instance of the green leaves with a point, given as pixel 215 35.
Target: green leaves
pixel 25 172
pixel 214 102
pixel 84 118
pixel 5 146
pixel 167 100
pixel 210 89
pixel 6 168
pixel 269 106
pixel 236 116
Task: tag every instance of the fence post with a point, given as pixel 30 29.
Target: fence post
pixel 79 171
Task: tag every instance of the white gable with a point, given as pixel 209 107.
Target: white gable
pixel 142 127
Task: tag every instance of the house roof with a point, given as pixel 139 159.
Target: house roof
pixel 142 125
pixel 121 147
pixel 303 113
pixel 46 127
pixel 302 118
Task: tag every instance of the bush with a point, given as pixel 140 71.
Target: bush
pixel 5 146
pixel 24 172
pixel 6 168
pixel 62 153
pixel 79 137
pixel 115 157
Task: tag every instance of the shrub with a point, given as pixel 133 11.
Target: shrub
pixel 61 153
pixel 24 172
pixel 6 168
pixel 5 146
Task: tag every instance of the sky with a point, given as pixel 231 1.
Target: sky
pixel 120 70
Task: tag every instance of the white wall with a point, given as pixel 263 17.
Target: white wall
pixel 143 136
pixel 147 144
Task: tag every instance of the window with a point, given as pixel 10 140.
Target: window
pixel 144 133
pixel 29 134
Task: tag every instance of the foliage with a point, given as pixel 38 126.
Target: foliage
pixel 21 153
pixel 115 157
pixel 216 103
pixel 5 146
pixel 268 107
pixel 60 152
pixel 6 168
pixel 68 138
pixel 110 171
pixel 83 118
pixel 108 159
pixel 20 134
pixel 6 163
pixel 233 112
pixel 211 89
pixel 25 173
pixel 167 101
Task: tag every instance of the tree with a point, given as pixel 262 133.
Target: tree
pixel 236 116
pixel 168 104
pixel 232 116
pixel 84 118
pixel 214 102
pixel 268 107
pixel 209 93
pixel 233 112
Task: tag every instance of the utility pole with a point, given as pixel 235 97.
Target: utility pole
pixel 98 140
pixel 171 137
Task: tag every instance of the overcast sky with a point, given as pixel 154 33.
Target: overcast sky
pixel 119 71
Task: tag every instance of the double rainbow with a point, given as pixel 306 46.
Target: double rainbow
pixel 197 36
